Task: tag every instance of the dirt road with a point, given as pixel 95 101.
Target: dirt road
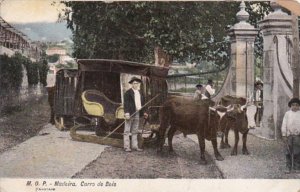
pixel 21 125
pixel 113 162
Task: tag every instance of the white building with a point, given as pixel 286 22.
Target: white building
pixel 56 50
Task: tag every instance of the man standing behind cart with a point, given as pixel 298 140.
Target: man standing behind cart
pixel 209 90
pixel 133 103
pixel 258 100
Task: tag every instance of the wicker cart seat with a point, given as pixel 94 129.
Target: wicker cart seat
pixel 97 104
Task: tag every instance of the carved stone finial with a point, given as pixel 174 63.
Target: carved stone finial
pixel 276 7
pixel 242 15
pixel 277 13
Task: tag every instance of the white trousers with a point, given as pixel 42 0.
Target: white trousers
pixel 251 110
pixel 131 128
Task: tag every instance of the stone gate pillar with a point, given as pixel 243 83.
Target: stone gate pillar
pixel 277 74
pixel 242 36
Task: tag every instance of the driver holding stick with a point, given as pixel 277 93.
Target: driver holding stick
pixel 133 103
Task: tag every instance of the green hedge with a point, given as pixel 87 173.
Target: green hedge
pixel 11 71
pixel 43 69
pixel 32 72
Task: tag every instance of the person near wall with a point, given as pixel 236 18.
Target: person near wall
pixel 209 90
pixel 133 109
pixel 290 130
pixel 51 95
pixel 258 100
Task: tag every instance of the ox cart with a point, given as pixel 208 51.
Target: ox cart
pixel 96 103
pixel 62 98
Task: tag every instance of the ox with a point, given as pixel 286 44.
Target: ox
pixel 189 117
pixel 235 119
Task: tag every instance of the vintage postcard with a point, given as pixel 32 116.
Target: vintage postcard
pixel 149 96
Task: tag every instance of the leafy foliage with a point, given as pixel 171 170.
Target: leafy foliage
pixel 11 71
pixel 43 69
pixel 53 58
pixel 193 31
pixel 131 30
pixel 68 65
pixel 32 72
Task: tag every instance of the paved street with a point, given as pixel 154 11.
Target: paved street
pixel 52 153
pixel 266 159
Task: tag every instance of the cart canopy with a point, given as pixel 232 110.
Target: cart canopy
pixel 119 66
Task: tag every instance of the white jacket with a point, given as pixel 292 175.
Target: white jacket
pixel 210 90
pixel 291 123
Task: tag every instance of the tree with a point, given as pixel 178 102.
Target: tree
pixel 192 31
pixel 32 72
pixel 43 69
pixel 53 58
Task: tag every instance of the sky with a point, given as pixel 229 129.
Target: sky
pixel 29 11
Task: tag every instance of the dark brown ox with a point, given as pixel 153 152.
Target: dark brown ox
pixel 189 117
pixel 235 119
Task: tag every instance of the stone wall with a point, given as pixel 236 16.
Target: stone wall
pixel 4 50
pixel 11 99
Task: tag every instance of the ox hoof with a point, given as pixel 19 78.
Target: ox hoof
pixel 203 162
pixel 172 152
pixel 246 152
pixel 233 153
pixel 219 158
pixel 224 146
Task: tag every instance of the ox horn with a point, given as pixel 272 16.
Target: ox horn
pixel 244 106
pixel 230 109
pixel 211 108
